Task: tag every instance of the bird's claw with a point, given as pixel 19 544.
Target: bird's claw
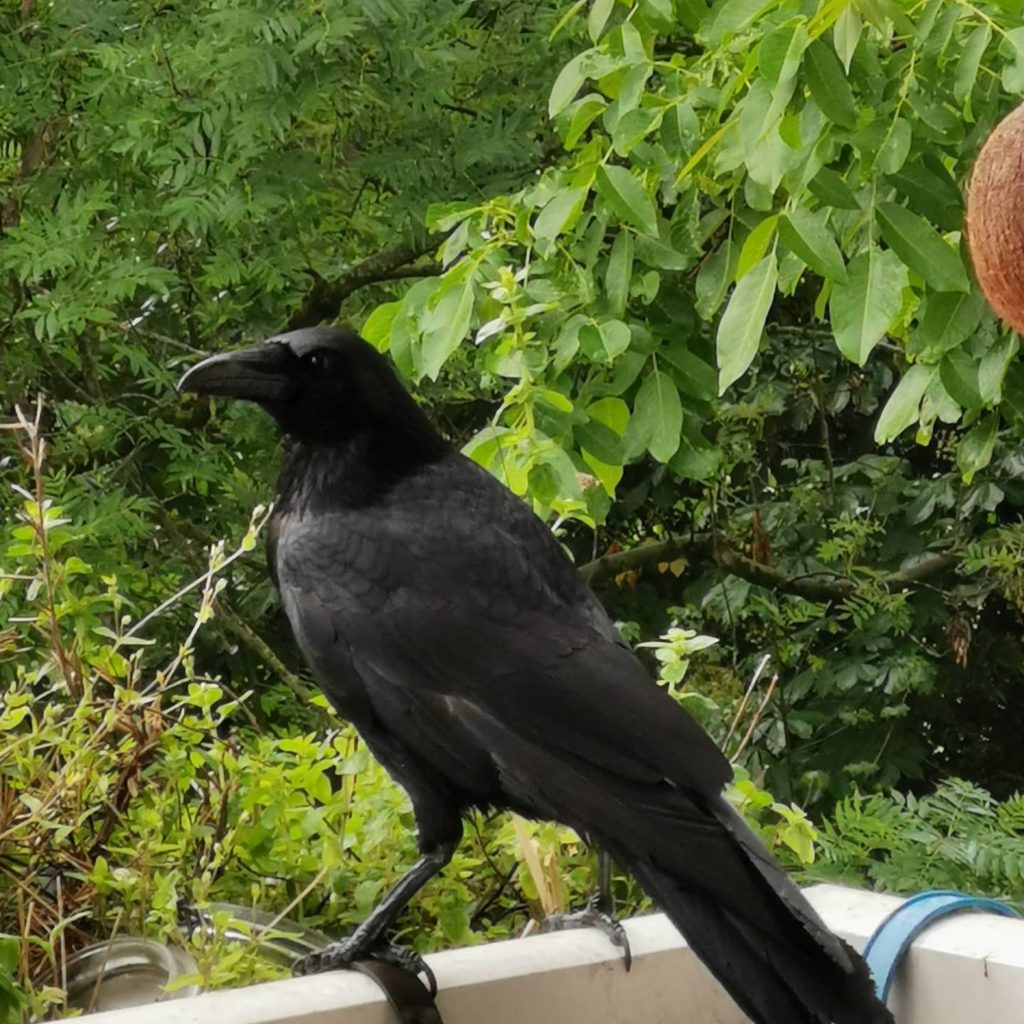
pixel 346 952
pixel 591 916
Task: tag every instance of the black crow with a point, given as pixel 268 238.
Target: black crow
pixel 442 618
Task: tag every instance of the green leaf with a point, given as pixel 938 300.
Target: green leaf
pixel 970 61
pixel 828 84
pixel 692 14
pixel 454 922
pixel 600 10
pixel 553 399
pixel 10 953
pixel 950 318
pixel 631 90
pixel 680 130
pixel 445 325
pixel 626 196
pixel 601 440
pixel 903 407
pixel 930 190
pixel 884 14
pixel 863 307
pixel 756 245
pixel 633 127
pixel 615 337
pixel 377 326
pixel 809 237
pixel 922 248
pixel 959 373
pixel 661 13
pixel 1013 69
pixel 581 115
pixel 846 34
pixel 655 253
pixel 994 365
pixel 765 153
pixel 894 146
pixel 696 377
pixel 560 214
pixel 742 323
pixel 605 341
pixel 731 17
pixel 833 191
pixel 781 51
pixel 567 84
pixel 974 452
pixel 620 272
pixel 612 412
pixel 695 461
pixel 658 415
pixel 713 278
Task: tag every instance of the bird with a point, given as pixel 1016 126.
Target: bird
pixel 444 620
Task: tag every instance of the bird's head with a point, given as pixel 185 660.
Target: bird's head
pixel 319 384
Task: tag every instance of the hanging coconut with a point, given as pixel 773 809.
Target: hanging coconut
pixel 995 219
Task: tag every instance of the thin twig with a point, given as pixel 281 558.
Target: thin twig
pixel 746 697
pixel 756 720
pixel 259 520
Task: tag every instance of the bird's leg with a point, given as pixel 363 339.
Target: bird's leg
pixel 368 939
pixel 599 912
pixel 605 900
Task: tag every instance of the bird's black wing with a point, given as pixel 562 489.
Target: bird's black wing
pixel 455 589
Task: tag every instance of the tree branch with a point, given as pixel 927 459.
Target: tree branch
pixel 417 270
pixel 705 549
pixel 325 297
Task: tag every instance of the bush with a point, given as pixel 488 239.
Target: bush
pixel 958 837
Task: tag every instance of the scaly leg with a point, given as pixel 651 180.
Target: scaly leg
pixel 598 912
pixel 368 939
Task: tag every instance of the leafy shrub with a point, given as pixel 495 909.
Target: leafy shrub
pixel 958 837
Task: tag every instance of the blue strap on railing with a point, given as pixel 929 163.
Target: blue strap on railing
pixel 894 936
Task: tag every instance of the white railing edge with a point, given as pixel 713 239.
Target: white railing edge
pixel 967 969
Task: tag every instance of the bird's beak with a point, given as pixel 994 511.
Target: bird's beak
pixel 259 374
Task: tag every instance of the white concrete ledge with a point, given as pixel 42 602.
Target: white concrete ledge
pixel 966 969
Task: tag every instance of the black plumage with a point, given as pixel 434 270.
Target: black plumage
pixel 443 619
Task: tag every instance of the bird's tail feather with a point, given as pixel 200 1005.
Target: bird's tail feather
pixel 754 930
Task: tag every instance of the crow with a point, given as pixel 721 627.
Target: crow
pixel 443 619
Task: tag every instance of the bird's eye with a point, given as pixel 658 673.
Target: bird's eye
pixel 319 361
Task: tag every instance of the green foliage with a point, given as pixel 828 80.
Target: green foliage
pixel 958 837
pixel 808 158
pixel 12 999
pixel 691 274
pixel 636 208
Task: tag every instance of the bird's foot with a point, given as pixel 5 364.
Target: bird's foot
pixel 591 916
pixel 348 951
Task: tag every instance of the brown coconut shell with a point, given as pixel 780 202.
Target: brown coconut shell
pixel 995 219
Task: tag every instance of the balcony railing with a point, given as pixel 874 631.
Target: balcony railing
pixel 966 969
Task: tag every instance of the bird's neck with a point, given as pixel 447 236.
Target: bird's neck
pixel 355 472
